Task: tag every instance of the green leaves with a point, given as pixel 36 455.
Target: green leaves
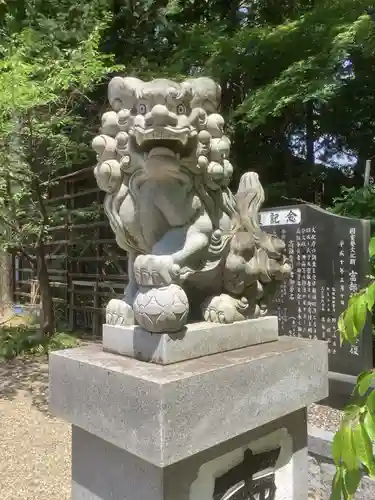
pixel 337 485
pixel 351 445
pixel 345 482
pixel 371 403
pixel 355 202
pixel 337 448
pixel 360 315
pixel 352 448
pixel 348 455
pixel 31 76
pixel 369 425
pixel 363 382
pixel 370 293
pixel 362 445
pixel 372 248
pixel 352 479
pixel 45 124
pixel 353 320
pixel 314 45
pixel 16 340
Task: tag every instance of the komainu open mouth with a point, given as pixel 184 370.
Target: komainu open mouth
pixel 142 135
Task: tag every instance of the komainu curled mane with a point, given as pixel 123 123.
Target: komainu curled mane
pixel 195 250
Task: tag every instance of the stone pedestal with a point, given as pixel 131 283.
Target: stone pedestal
pixel 229 425
pixel 194 341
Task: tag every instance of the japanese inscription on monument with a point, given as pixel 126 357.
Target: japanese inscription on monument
pixel 329 256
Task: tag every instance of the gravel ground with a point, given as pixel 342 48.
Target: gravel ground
pixel 324 417
pixel 35 446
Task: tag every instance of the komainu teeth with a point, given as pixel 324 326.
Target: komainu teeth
pixel 181 136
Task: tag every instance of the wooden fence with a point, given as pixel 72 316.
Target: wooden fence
pixel 86 267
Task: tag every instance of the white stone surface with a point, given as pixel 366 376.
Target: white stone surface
pixel 198 339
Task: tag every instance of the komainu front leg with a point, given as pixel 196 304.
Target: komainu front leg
pixel 156 270
pixel 120 311
pixel 226 309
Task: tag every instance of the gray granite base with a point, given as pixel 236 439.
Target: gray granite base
pixel 103 471
pixel 197 340
pixel 185 431
pixel 164 414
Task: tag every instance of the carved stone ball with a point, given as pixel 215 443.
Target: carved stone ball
pixel 122 139
pixel 204 137
pixel 203 162
pixel 215 170
pixel 161 310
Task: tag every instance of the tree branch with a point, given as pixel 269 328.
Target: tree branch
pixel 31 258
pixel 299 200
pixel 35 183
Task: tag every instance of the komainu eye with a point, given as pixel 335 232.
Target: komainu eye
pixel 142 109
pixel 181 110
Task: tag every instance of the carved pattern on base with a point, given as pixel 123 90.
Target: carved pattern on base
pixel 253 479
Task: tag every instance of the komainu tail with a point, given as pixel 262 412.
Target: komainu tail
pixel 270 248
pixel 250 198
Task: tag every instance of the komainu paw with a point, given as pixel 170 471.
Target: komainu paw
pixel 119 313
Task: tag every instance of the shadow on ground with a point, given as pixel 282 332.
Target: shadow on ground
pixel 24 362
pixel 26 375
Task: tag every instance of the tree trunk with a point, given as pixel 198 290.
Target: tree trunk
pixel 47 309
pixel 6 298
pixel 310 134
pixel 367 173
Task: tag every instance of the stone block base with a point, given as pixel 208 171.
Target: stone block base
pixel 197 340
pixel 197 430
pixel 266 463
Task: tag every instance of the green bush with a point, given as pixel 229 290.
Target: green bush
pixel 27 340
pixel 355 202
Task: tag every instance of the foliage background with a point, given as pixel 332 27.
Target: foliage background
pixel 297 76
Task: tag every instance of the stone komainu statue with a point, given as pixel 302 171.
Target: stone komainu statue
pixel 196 251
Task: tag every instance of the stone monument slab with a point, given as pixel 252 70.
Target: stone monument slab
pixel 197 339
pixel 329 256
